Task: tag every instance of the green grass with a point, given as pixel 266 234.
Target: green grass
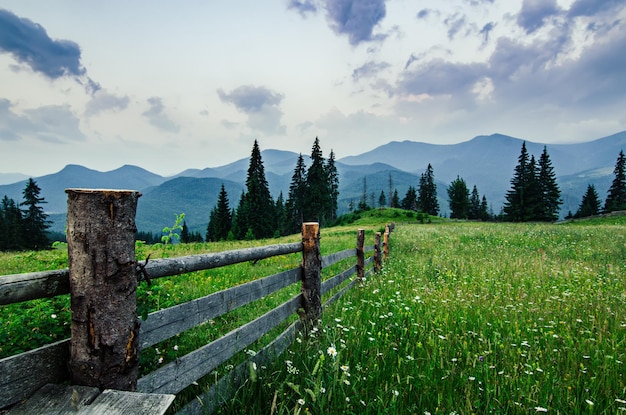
pixel 468 318
pixel 464 318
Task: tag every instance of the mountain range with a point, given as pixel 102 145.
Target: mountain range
pixel 485 161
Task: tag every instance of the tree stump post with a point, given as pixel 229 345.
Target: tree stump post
pixel 377 253
pixel 386 242
pixel 360 254
pixel 311 275
pixel 101 229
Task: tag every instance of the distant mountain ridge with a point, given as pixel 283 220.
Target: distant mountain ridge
pixel 485 161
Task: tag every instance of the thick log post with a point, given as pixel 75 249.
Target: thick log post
pixel 377 253
pixel 101 231
pixel 311 274
pixel 360 254
pixel 386 242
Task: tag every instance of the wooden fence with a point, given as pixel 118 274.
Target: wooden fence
pixel 107 336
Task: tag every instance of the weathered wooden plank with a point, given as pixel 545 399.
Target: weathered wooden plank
pixel 23 374
pixel 339 293
pixel 15 288
pixel 175 266
pixel 177 375
pixel 52 399
pixel 332 282
pixel 166 323
pixel 128 403
pixel 369 248
pixel 222 391
pixel 331 259
pixel 32 285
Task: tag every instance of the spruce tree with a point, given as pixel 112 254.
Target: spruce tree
pixel 296 198
pixel 427 198
pixel 333 186
pixel 280 215
pixel 34 220
pixel 549 189
pixel 259 206
pixel 484 210
pixel 382 199
pixel 590 204
pixel 474 205
pixel 317 199
pixel 395 199
pixel 522 199
pixel 11 238
pixel 240 218
pixel 184 234
pixel 220 222
pixel 410 199
pixel 458 195
pixel 616 198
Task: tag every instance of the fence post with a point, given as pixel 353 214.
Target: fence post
pixel 386 242
pixel 101 246
pixel 377 256
pixel 360 254
pixel 311 274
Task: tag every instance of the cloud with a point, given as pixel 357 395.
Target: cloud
pixel 486 31
pixel 424 13
pixel 302 7
pixel 29 43
pixel 260 104
pixel 455 24
pixel 356 18
pixel 368 70
pixel 593 7
pixel 104 101
pixel 50 123
pixel 158 118
pixel 534 13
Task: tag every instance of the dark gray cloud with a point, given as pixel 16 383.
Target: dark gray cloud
pixel 535 12
pixel 50 123
pixel 260 104
pixel 29 43
pixel 103 101
pixel 303 7
pixel 439 77
pixel 249 99
pixel 157 116
pixel 368 70
pixel 486 31
pixel 593 7
pixel 356 18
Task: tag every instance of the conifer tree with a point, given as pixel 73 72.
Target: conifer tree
pixel 395 199
pixel 280 215
pixel 549 189
pixel 521 200
pixel 34 220
pixel 382 199
pixel 11 237
pixel 410 199
pixel 427 198
pixel 258 203
pixel 318 198
pixel 333 185
pixel 220 222
pixel 458 195
pixel 590 204
pixel 240 218
pixel 474 205
pixel 296 198
pixel 484 210
pixel 616 198
pixel 184 233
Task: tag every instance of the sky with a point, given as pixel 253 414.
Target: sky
pixel 169 86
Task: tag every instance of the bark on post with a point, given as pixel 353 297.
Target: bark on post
pixel 377 253
pixel 101 231
pixel 360 254
pixel 311 274
pixel 386 242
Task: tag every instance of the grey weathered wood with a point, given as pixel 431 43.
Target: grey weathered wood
pixel 339 293
pixel 331 259
pixel 360 254
pixel 221 392
pixel 331 283
pixel 23 374
pixel 177 375
pixel 15 288
pixel 175 266
pixel 377 253
pixel 54 399
pixel 169 322
pixel 101 251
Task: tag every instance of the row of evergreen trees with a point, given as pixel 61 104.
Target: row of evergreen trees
pixel 616 197
pixel 24 226
pixel 464 205
pixel 313 195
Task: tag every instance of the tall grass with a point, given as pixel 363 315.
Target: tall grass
pixel 467 318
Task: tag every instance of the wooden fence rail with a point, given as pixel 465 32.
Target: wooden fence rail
pixel 22 375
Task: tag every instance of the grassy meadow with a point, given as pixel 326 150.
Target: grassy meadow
pixel 465 318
